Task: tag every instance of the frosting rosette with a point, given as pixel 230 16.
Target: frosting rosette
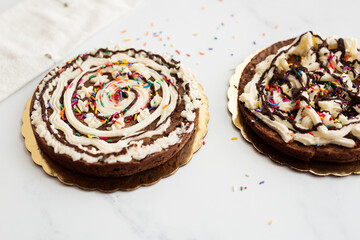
pixel 308 91
pixel 115 105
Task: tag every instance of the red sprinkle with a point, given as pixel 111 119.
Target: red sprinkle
pixel 61 70
pixel 177 51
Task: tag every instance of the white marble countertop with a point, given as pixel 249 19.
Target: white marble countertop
pixel 197 202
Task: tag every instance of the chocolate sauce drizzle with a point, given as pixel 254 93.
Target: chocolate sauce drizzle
pixel 338 92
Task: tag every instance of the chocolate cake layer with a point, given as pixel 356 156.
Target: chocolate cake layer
pixel 328 152
pixel 115 112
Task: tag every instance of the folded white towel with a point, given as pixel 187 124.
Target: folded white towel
pixel 36 33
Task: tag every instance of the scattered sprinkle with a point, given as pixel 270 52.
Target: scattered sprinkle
pixel 262 182
pixel 234 138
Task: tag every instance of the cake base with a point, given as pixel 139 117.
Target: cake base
pixel 315 167
pixel 145 178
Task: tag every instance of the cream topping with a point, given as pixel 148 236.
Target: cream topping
pixel 309 91
pixel 101 103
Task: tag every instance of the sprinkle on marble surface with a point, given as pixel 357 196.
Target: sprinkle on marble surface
pixel 263 34
pixel 271 222
pixel 234 138
pixel 262 182
pixel 277 26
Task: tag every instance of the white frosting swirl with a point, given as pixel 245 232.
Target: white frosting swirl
pixel 111 96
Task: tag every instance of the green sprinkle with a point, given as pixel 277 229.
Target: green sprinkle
pixel 78 134
pixel 92 76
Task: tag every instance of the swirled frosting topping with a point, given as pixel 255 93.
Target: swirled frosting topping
pixel 115 105
pixel 309 91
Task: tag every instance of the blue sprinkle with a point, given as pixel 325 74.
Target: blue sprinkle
pixel 254 42
pixel 261 182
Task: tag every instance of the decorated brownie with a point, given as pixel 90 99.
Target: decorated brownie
pixel 115 112
pixel 302 97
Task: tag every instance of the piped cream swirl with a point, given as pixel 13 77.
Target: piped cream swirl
pixel 108 101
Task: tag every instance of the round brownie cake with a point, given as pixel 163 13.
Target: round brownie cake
pixel 302 97
pixel 115 112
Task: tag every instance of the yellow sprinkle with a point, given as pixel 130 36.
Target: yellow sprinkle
pixel 127 40
pixel 135 117
pixel 96 111
pixel 195 34
pixel 335 120
pixel 234 138
pixel 171 45
pixel 203 8
pixel 233 37
pixel 271 221
pixel 89 136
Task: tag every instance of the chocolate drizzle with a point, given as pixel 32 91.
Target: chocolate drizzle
pixel 335 90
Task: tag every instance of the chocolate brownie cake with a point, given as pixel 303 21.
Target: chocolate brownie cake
pixel 302 97
pixel 115 112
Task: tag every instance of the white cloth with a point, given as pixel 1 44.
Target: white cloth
pixel 36 33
